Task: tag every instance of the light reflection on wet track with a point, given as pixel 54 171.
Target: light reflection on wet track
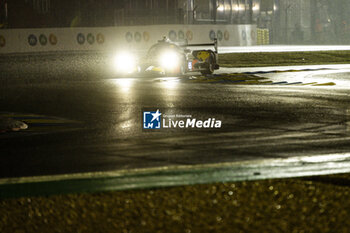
pixel 259 121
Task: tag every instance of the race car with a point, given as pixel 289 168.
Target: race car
pixel 170 58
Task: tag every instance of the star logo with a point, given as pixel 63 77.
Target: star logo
pixel 152 120
pixel 156 115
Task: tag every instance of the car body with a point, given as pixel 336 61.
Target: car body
pixel 170 58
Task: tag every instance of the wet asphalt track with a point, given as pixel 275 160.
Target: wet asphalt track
pixel 84 118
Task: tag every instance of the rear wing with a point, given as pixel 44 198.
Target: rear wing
pixel 215 44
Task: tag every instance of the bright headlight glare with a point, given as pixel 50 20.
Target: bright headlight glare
pixel 169 60
pixel 125 62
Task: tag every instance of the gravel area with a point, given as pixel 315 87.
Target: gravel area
pixel 317 204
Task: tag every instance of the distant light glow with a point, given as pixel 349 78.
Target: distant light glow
pixel 221 8
pixel 256 7
pixel 238 8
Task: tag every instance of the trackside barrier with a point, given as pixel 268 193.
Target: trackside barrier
pixel 114 38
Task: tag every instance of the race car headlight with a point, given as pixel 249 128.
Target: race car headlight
pixel 169 60
pixel 125 62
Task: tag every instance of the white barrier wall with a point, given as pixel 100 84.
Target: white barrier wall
pixel 111 38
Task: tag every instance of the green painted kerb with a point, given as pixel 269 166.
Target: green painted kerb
pixel 182 175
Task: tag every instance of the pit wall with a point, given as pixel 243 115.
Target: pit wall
pixel 112 38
